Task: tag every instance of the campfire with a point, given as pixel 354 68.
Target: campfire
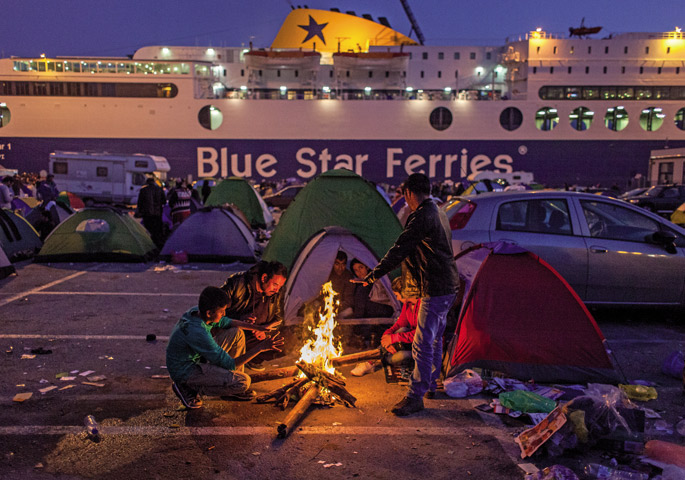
pixel 317 381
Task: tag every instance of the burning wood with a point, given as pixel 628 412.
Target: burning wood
pixel 298 410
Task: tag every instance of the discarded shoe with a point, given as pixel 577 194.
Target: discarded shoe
pixel 255 366
pixel 407 406
pixel 188 397
pixel 363 368
pixel 241 397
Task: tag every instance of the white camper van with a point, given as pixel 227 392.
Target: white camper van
pixel 105 177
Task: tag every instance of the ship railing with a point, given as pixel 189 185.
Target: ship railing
pixel 326 93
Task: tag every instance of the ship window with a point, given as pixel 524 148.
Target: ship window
pixel 511 118
pixel 608 93
pixel 642 70
pixel 651 119
pixel 41 66
pixel 590 93
pixel 40 88
pixel 668 49
pixel 606 50
pixel 604 70
pixel 488 55
pixel 440 118
pixel 662 93
pixel 51 66
pixel 625 49
pixel 4 115
pixel 546 118
pixel 210 117
pixel 472 55
pixel 643 93
pixel 22 88
pixel 570 69
pixel 573 50
pixel 421 73
pixel 60 168
pixel 677 70
pixel 551 93
pixel 74 89
pixel 456 74
pixel 537 50
pixel 581 118
pixel 554 51
pixel 278 73
pixel 56 89
pixel 101 171
pixel 589 50
pixel 242 72
pixel 572 93
pixel 91 89
pixel 680 119
pixel 587 70
pixel 5 88
pixel 260 73
pixel 441 55
pixel 424 55
pixel 387 74
pixel 623 69
pixel 658 70
pixel 439 74
pixel 616 118
pixel 457 55
pixel 551 70
pixel 646 50
pixel 297 73
pixel 347 73
pixel 535 70
pixel 370 73
pixel 626 93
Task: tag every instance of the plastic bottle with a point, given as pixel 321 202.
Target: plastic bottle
pixel 666 452
pixel 92 426
pixel 595 470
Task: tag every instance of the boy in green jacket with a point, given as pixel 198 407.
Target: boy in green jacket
pixel 206 352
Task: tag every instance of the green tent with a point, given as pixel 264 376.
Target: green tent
pixel 98 234
pixel 239 192
pixel 18 238
pixel 335 198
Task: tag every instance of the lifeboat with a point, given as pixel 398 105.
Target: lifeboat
pixel 282 59
pixel 371 60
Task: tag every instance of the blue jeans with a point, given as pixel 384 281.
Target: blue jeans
pixel 427 346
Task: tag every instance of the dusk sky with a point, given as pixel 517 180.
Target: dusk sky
pixel 118 28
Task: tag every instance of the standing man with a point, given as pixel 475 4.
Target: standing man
pixel 424 250
pixel 179 202
pixel 151 203
pixel 254 296
pixel 47 190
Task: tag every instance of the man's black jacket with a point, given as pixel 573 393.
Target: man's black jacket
pixel 241 289
pixel 425 250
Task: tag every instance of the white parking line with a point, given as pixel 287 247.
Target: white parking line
pixel 38 289
pixel 132 294
pixel 30 336
pixel 243 431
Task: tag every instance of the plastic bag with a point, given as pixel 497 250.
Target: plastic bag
pixel 674 364
pixel 555 472
pixel 463 384
pixel 601 404
pixel 527 402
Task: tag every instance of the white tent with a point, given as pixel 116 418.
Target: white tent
pixel 313 266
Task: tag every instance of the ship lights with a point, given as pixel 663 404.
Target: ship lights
pixel 243 88
pixel 448 89
pixel 326 89
pixel 210 51
pixel 166 51
pixel 367 90
pixel 409 89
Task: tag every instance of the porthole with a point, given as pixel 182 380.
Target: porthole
pixel 441 118
pixel 511 118
pixel 4 115
pixel 680 119
pixel 616 118
pixel 581 118
pixel 546 118
pixel 210 117
pixel 652 118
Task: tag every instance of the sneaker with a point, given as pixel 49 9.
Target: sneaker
pixel 362 369
pixel 246 396
pixel 407 406
pixel 255 366
pixel 188 397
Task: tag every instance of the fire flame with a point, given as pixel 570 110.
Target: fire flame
pixel 321 348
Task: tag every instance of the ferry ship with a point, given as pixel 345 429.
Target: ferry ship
pixel 337 90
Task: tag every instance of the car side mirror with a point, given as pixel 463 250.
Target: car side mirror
pixel 665 239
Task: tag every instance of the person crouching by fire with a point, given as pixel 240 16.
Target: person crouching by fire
pixel 206 352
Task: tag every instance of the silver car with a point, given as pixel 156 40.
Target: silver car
pixel 610 252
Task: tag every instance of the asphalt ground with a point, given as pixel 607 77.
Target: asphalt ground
pixel 97 316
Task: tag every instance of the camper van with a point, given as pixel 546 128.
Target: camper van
pixel 105 177
pixel 666 166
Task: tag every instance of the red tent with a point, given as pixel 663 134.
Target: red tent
pixel 521 318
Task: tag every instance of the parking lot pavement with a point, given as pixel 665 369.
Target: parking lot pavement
pixel 97 318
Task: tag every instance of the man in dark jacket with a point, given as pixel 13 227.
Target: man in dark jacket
pixel 424 249
pixel 151 201
pixel 255 297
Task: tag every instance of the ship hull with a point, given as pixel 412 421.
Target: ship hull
pixel 554 163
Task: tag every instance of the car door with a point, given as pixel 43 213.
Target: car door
pixel 623 265
pixel 545 227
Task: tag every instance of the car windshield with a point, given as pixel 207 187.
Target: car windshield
pixel 654 191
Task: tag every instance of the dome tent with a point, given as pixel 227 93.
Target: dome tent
pixel 18 238
pixel 313 266
pixel 335 198
pixel 238 191
pixel 98 234
pixel 212 234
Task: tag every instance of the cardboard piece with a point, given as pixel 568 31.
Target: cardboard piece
pixel 533 438
pixel 20 397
